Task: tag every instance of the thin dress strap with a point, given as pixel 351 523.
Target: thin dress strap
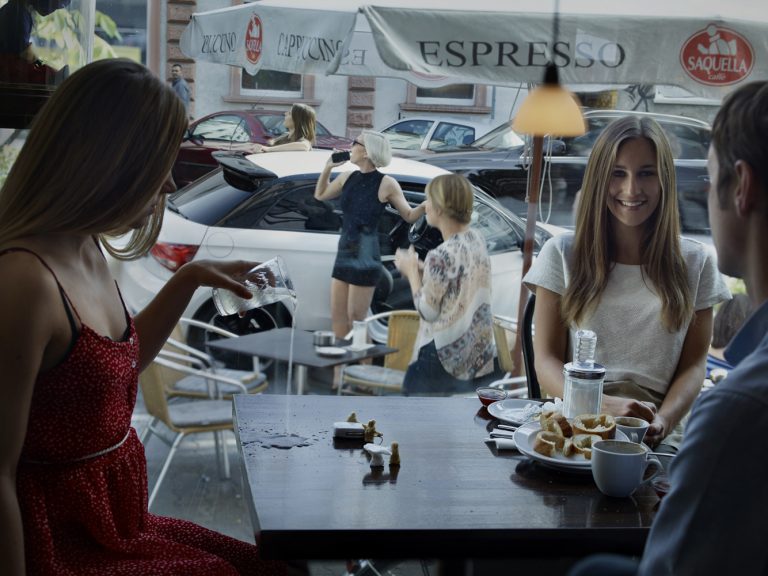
pixel 119 293
pixel 69 307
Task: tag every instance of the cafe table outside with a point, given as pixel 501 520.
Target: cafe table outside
pixel 453 496
pixel 296 346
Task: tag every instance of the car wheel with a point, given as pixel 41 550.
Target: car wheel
pixel 256 320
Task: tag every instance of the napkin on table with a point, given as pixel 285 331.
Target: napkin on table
pixel 505 444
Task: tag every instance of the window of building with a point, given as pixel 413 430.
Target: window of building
pixel 271 83
pixel 271 87
pixel 455 94
pixel 454 98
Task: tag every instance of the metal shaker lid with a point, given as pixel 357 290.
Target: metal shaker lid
pixel 595 372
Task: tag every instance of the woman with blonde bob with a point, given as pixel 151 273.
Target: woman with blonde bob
pixel 73 479
pixel 453 296
pixel 627 275
pixel 301 123
pixel 364 194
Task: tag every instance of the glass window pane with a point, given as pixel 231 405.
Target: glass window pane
pixel 448 134
pixel 300 211
pixel 498 234
pixel 224 128
pixel 271 82
pixel 456 91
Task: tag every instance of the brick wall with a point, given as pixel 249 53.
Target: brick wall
pixel 179 12
pixel 361 100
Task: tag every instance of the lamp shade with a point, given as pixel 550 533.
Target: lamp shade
pixel 550 109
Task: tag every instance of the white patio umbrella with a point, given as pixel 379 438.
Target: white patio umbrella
pixel 707 47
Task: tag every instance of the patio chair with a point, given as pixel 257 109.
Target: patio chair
pixel 184 418
pixel 196 383
pixel 514 385
pixel 368 378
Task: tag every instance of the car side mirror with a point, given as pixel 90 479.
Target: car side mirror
pixel 196 140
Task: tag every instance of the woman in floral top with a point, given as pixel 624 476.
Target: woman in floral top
pixel 452 293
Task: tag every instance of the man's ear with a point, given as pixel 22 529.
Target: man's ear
pixel 746 193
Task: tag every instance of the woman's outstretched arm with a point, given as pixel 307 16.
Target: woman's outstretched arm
pixel 302 145
pixel 390 191
pixel 156 322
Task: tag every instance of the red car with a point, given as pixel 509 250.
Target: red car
pixel 235 130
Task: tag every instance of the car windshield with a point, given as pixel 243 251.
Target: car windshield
pixel 499 138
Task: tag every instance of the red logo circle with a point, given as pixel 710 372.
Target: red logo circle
pixel 717 56
pixel 253 36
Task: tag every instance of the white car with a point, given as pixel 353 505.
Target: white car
pixel 263 205
pixel 418 134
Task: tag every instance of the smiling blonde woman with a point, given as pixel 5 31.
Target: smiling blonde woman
pixel 627 275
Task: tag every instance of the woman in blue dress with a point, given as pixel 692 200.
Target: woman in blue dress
pixel 364 194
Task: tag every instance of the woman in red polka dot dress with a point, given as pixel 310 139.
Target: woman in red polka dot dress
pixel 73 481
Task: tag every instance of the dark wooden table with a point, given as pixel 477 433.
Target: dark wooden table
pixel 276 343
pixel 453 496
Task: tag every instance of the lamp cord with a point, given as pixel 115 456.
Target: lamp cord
pixel 556 24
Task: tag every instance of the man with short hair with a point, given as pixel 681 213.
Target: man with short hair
pixel 712 520
pixel 179 85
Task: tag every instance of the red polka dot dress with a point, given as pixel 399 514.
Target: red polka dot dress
pixel 82 478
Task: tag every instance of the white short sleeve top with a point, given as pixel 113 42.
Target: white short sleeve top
pixel 632 342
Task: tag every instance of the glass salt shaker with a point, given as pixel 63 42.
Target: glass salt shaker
pixel 583 390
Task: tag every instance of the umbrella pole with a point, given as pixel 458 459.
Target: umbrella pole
pixel 532 199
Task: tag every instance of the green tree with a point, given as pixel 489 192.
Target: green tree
pixel 61 31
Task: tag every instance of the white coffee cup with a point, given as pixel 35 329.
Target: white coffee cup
pixel 634 428
pixel 619 467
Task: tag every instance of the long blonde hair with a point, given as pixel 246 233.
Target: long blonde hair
pixel 96 155
pixel 593 253
pixel 304 125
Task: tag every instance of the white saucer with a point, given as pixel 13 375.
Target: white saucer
pixel 353 348
pixel 330 351
pixel 512 410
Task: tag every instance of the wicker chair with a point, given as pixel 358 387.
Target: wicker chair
pixel 371 379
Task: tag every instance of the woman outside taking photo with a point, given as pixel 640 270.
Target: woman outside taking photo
pixel 627 275
pixel 73 478
pixel 455 340
pixel 364 194
pixel 301 123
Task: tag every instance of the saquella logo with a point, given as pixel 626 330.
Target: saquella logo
pixel 253 38
pixel 717 56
